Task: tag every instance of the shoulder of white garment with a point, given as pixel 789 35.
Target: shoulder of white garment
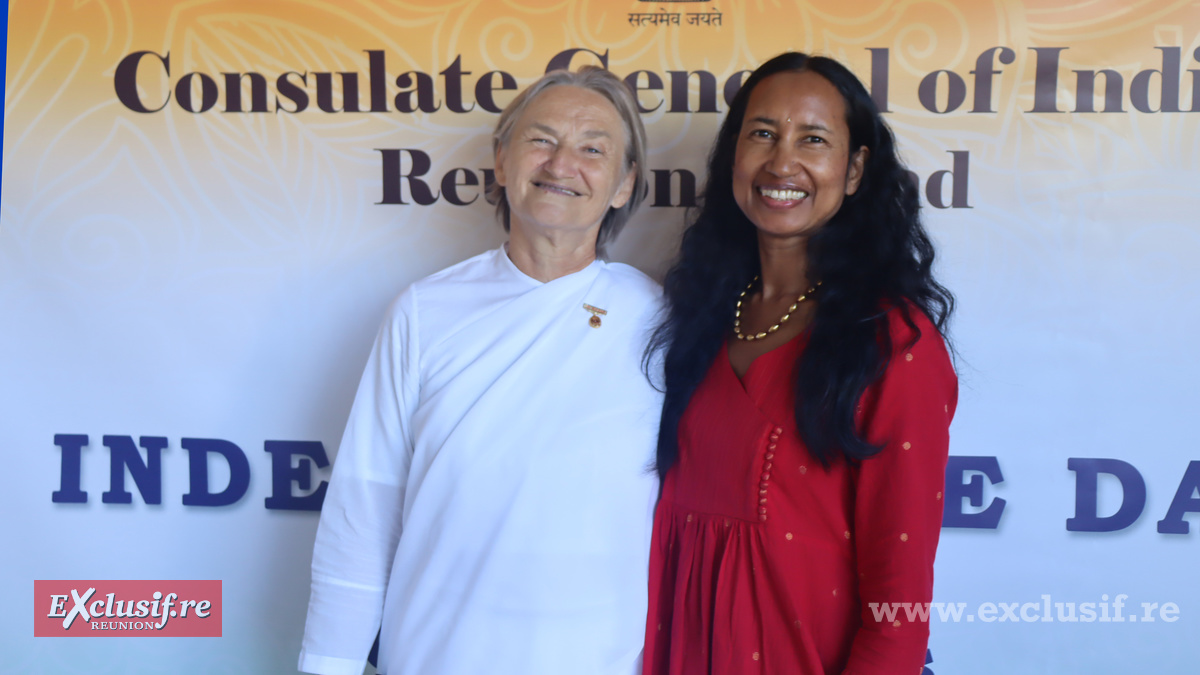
pixel 634 278
pixel 484 267
pixel 644 296
pixel 633 283
pixel 450 289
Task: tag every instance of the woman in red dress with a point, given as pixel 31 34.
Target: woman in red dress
pixel 809 395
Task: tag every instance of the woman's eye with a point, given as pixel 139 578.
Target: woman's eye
pixel 760 133
pixel 814 139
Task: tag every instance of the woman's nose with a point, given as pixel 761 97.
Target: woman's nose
pixel 784 160
pixel 561 162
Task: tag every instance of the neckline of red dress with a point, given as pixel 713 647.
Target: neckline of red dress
pixel 745 377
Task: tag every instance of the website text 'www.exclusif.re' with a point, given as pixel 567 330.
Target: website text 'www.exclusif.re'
pixel 1118 610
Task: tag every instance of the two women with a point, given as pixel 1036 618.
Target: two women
pixel 808 396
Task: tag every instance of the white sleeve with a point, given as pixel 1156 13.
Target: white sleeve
pixel 361 516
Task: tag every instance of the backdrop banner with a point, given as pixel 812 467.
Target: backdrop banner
pixel 207 206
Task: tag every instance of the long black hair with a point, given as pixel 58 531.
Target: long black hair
pixel 872 255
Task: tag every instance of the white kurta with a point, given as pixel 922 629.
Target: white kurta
pixel 491 501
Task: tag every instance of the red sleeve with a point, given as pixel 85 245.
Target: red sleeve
pixel 898 499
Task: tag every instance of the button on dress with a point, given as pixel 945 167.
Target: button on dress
pixel 764 561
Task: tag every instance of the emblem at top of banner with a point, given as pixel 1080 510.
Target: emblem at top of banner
pixel 665 17
pixel 594 322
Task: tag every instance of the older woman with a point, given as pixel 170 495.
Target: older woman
pixel 809 394
pixel 490 508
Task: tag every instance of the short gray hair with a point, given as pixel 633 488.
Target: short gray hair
pixel 614 90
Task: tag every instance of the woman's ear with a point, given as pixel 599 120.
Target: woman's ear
pixel 854 172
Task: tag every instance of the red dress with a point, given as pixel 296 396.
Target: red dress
pixel 764 562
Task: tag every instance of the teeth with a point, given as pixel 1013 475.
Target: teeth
pixel 783 195
pixel 557 188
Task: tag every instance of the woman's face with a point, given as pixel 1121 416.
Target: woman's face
pixel 563 167
pixel 794 165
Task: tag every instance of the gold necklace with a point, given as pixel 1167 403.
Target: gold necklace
pixel 737 313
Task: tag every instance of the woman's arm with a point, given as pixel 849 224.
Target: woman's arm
pixel 361 516
pixel 899 500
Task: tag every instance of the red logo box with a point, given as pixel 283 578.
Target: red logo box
pixel 139 608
